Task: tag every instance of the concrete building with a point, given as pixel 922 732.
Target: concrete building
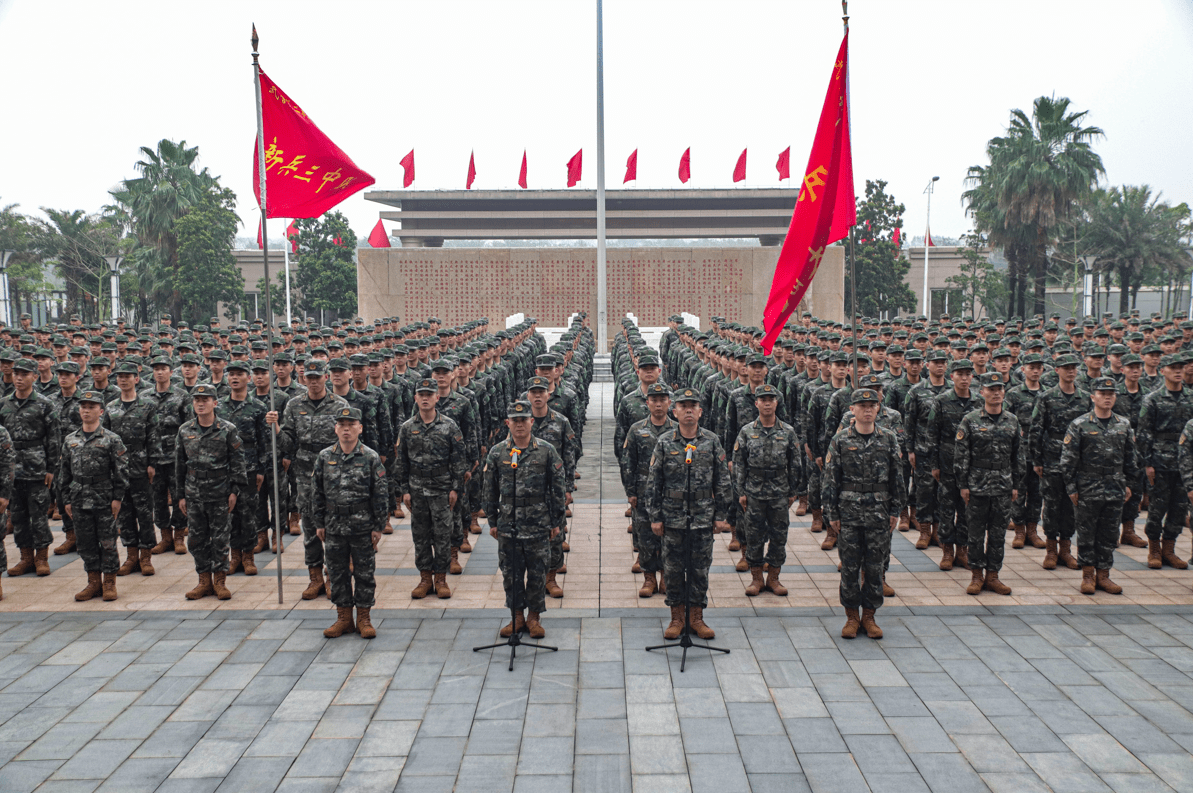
pixel 943 261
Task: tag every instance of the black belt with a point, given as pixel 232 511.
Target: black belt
pixel 207 475
pixel 314 448
pixel 1103 470
pixel 134 446
pixel 864 489
pixel 1061 433
pixel 1160 436
pixel 991 465
pixel 532 501
pixel 33 444
pixel 434 470
pixel 92 480
pixel 695 495
pixel 348 509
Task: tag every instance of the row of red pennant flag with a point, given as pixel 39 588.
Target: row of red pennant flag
pixel 575 168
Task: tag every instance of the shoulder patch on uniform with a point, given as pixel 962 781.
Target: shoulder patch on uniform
pixel 735 444
pixel 1181 442
pixel 960 435
pixel 652 459
pixel 828 458
pixel 1068 438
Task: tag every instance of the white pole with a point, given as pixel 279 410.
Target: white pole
pixel 927 235
pixel 602 297
pixel 286 252
pixel 116 292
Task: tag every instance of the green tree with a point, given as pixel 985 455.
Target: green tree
pixel 277 294
pixel 76 243
pixel 881 266
pixel 207 271
pixel 26 270
pixel 326 272
pixel 980 283
pixel 1037 174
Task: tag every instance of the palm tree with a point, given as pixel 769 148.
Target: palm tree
pixel 1037 173
pixel 168 188
pixel 77 243
pixel 1131 231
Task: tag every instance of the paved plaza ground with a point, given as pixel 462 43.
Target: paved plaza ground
pixel 1043 690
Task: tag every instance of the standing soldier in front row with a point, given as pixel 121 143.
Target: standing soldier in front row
pixel 524 498
pixel 350 504
pixel 862 497
pixel 636 452
pixel 94 476
pixel 688 495
pixel 209 464
pixel 1099 465
pixel 8 464
pixel 766 470
pixel 990 463
pixel 29 418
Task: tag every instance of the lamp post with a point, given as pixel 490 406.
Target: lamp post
pixel 927 235
pixel 114 265
pixel 6 309
pixel 1087 303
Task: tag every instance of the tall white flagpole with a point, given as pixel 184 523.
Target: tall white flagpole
pixel 602 296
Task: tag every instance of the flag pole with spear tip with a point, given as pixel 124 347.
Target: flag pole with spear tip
pixel 273 435
pixel 852 253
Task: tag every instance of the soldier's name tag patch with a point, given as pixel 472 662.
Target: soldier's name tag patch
pixel 673 452
pixel 331 462
pixel 415 432
pixel 735 445
pixel 1093 432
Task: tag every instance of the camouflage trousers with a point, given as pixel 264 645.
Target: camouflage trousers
pixel 556 560
pixel 68 523
pixel 312 547
pixel 650 546
pixel 337 550
pixel 267 507
pixel 242 535
pixel 136 515
pixel 766 522
pixel 431 530
pixel 988 517
pixel 1131 505
pixel 863 549
pixel 1168 504
pixel 95 536
pixel 927 491
pixel 1058 509
pixel 461 518
pixel 1026 508
pixel 950 512
pixel 814 473
pixel 1097 532
pixel 532 556
pixel 30 525
pixel 208 534
pixel 165 498
pixel 699 544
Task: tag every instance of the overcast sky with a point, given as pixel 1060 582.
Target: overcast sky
pixel 86 84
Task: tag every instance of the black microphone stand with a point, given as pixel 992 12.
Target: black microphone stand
pixel 685 637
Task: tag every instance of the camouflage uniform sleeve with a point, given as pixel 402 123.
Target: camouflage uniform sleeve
pixel 65 472
pixel 627 462
pixel 896 487
pixel 154 440
pixel 654 487
pixel 490 495
pixel 962 453
pixel 287 430
pixel 1018 459
pixel 1185 456
pixel 237 472
pixel 722 485
pixel 8 465
pixel 556 487
pixel 318 496
pixel 619 434
pixel 931 435
pixel 53 438
pixel 379 494
pixel 119 465
pixel 568 454
pixel 794 467
pixel 1144 437
pixel 385 423
pixel 741 462
pixel 371 436
pixel 830 481
pixel 401 464
pixel 180 463
pixel 458 459
pixel 1070 456
pixel 1131 460
pixel 1036 445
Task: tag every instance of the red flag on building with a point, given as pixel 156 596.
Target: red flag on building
pixel 928 237
pixel 575 167
pixel 522 173
pixel 471 171
pixel 305 173
pixel 407 163
pixel 292 235
pixel 739 170
pixel 685 166
pixel 631 168
pixel 825 208
pixel 378 238
pixel 784 164
pixel 897 238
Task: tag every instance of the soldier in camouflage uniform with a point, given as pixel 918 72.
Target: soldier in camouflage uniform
pixel 863 493
pixel 688 495
pixel 948 410
pixel 350 502
pixel 29 418
pixel 460 409
pixel 917 407
pixel 209 464
pixel 523 497
pixel 990 463
pixel 1162 418
pixel 429 473
pixel 1128 403
pixel 816 403
pixel 172 408
pixel 766 470
pixel 247 413
pixel 1021 400
pixel 131 416
pixel 1099 465
pixel 8 463
pixel 94 474
pixel 265 498
pixel 636 451
pixel 67 402
pixel 632 408
pixel 555 429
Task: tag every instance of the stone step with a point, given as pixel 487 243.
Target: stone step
pixel 602 368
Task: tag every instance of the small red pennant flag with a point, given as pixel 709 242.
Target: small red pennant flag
pixel 685 166
pixel 739 170
pixel 897 238
pixel 260 245
pixel 928 234
pixel 522 173
pixel 292 235
pixel 784 164
pixel 471 171
pixel 631 168
pixel 378 238
pixel 575 168
pixel 407 162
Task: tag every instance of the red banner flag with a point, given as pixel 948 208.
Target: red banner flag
pixel 631 168
pixel 897 238
pixel 378 238
pixel 928 237
pixel 522 173
pixel 784 164
pixel 260 246
pixel 825 208
pixel 292 235
pixel 471 171
pixel 739 170
pixel 575 167
pixel 407 163
pixel 685 165
pixel 305 173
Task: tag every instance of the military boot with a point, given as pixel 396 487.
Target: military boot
pixel 553 588
pixel 364 623
pixel 132 561
pixel 534 625
pixel 398 512
pixel 68 544
pixel 1049 562
pixel 699 627
pixel 295 522
pixel 342 625
pixel 516 624
pixel 649 585
pixel 742 565
pixel 662 584
pixel 801 508
pixel 248 563
pixel 636 567
pixel 1087 580
pixel 817 521
pixel 41 561
pixel 830 539
pixel 218 583
pixel 992 584
pixel 934 539
pixel 975 583
pixel 465 545
pixel 167 543
pixel 147 561
pixel 772 582
pixel 946 558
pixel 425 584
pixel 925 536
pixel 1034 539
pixel 675 627
pixel 109 586
pixel 387 529
pixel 961 556
pixel 1102 581
pixel 905 520
pixel 852 623
pixel 911 518
pixel 203 589
pixel 887 590
pixel 180 541
pixel 475 526
pixel 870 626
pixel 441 588
pixel 234 561
pixel 1065 555
pixel 1167 555
pixel 1153 555
pixel 453 566
pixel 94 587
pixel 262 542
pixel 734 543
pixel 1131 538
pixel 1020 535
pixel 755 585
pixel 316 587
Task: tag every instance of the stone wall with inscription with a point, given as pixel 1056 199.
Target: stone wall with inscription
pixel 461 284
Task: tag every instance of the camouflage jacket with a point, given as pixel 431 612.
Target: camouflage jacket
pixel 8 464
pixel 349 491
pixel 1161 421
pixel 888 419
pixel 917 407
pixel 307 428
pixel 1054 412
pixel 991 454
pixel 136 424
pixel 636 450
pixel 94 469
pixel 69 418
pixel 208 461
pixel 677 490
pixel 248 415
pixel 631 410
pixel 1021 401
pixel 940 431
pixel 556 430
pixel 525 497
pixel 172 410
pixel 741 410
pixel 814 413
pixel 767 461
pixel 1129 405
pixel 462 410
pixel 1185 456
pixel 1098 460
pixel 896 392
pixel 862 482
pixel 430 457
pixel 35 435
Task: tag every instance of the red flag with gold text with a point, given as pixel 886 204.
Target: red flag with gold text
pixel 305 173
pixel 825 208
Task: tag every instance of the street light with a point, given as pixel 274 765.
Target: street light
pixel 114 265
pixel 7 314
pixel 1087 303
pixel 927 235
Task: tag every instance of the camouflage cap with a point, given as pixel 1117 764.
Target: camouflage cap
pixel 766 390
pixel 204 390
pixel 961 365
pixel 260 364
pixel 757 357
pixel 161 360
pixel 1003 352
pixel 426 384
pixel 1103 384
pixel 649 358
pixel 913 355
pixel 1067 359
pixel 125 367
pixel 547 359
pixel 658 389
pixel 338 365
pixel 314 366
pixel 863 395
pixel 994 380
pixel 1132 358
pixel 358 359
pixel 686 395
pixel 242 366
pixel 69 367
pixel 186 357
pixel 95 397
pixel 1093 350
pixel 936 355
pixel 518 409
pixel 445 363
pixel 1031 357
pixel 348 414
pixel 871 381
pixel 538 382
